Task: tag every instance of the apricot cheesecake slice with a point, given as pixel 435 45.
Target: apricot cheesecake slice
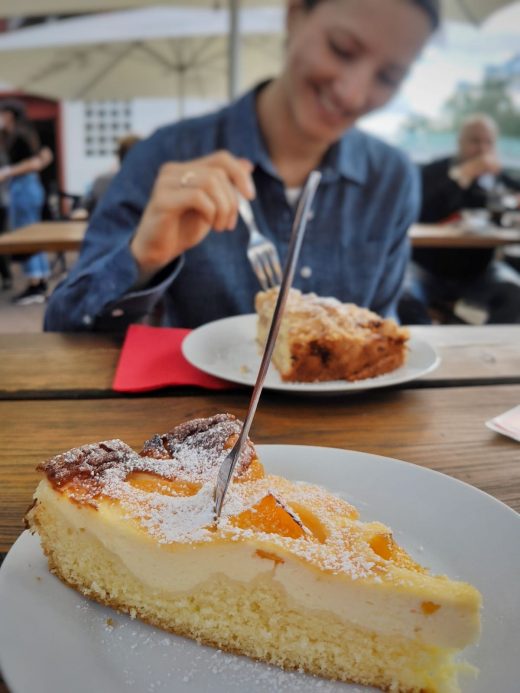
pixel 289 576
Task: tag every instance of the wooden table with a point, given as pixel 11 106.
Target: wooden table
pixel 455 236
pixel 45 236
pixel 55 394
pixel 83 365
pixel 62 236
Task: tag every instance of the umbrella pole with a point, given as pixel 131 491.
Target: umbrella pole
pixel 181 92
pixel 234 48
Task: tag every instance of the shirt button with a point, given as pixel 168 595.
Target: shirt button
pixel 117 312
pixel 87 320
pixel 310 215
pixel 306 272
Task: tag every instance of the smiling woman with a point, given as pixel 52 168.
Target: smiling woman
pixel 152 236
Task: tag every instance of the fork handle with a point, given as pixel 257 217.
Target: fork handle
pixel 246 212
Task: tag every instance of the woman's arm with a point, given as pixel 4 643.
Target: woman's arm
pixel 153 212
pixel 33 164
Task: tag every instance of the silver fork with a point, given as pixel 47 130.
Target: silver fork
pixel 261 252
pixel 300 221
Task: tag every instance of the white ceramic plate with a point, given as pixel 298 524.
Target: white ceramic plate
pixel 52 640
pixel 227 348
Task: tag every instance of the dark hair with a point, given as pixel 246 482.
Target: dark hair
pixel 17 108
pixel 23 127
pixel 125 144
pixel 431 7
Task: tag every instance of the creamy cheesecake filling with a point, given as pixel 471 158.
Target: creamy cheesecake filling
pixel 435 611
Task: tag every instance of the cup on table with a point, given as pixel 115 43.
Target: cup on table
pixel 475 220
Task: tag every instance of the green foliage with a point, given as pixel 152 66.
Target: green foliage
pixel 492 97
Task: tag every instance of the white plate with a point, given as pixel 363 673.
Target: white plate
pixel 52 640
pixel 227 348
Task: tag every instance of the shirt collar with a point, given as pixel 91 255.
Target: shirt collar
pixel 346 158
pixel 243 134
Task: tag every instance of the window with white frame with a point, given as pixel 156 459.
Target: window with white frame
pixel 105 123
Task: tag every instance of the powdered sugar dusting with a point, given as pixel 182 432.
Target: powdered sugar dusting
pixel 329 316
pixel 170 495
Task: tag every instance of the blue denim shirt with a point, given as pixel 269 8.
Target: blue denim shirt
pixel 355 246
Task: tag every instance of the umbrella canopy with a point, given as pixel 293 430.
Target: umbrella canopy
pixel 24 8
pixel 462 10
pixel 475 11
pixel 161 51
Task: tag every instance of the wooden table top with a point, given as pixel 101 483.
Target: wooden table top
pixel 455 236
pixel 439 428
pixel 82 365
pixel 48 236
pixel 62 236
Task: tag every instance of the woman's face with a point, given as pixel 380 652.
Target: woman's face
pixel 6 121
pixel 346 58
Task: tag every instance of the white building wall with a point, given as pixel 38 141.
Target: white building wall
pixel 147 115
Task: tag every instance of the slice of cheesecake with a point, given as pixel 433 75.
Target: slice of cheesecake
pixel 323 339
pixel 289 575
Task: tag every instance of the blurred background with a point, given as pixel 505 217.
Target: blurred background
pixel 89 78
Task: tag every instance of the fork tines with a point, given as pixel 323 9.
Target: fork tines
pixel 266 264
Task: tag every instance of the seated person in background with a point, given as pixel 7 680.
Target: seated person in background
pixel 467 278
pixel 97 190
pixel 149 239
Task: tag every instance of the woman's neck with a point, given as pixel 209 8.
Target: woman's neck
pixel 294 156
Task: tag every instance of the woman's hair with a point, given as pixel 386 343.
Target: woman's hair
pixel 125 144
pixel 23 127
pixel 16 108
pixel 431 7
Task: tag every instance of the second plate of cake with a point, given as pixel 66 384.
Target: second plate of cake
pixel 228 349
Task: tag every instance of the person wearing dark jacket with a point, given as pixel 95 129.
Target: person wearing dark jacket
pixel 460 276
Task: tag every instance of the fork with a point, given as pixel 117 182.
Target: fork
pixel 261 252
pixel 300 222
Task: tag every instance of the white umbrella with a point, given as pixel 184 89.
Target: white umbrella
pixel 21 8
pixel 149 52
pixel 26 8
pixel 473 10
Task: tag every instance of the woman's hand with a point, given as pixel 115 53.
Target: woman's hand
pixel 5 173
pixel 188 200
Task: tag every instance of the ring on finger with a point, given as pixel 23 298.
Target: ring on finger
pixel 187 177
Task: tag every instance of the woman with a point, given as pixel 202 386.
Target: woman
pixel 26 194
pixel 150 238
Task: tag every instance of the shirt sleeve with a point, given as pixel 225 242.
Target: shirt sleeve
pixel 398 254
pixel 441 196
pixel 97 294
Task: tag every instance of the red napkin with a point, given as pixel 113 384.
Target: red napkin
pixel 151 358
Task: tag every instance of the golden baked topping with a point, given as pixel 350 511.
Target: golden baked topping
pixel 202 438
